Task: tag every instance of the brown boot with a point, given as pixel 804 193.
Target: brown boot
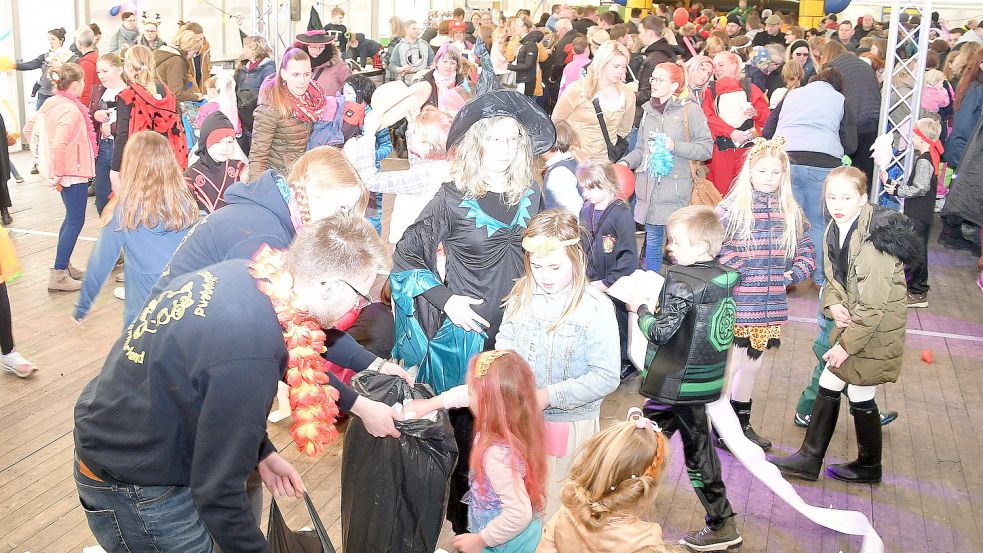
pixel 61 281
pixel 77 274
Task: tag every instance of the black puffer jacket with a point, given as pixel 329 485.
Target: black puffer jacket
pixel 527 58
pixel 642 65
pixel 690 336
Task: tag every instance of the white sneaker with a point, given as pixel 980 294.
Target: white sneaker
pixel 119 292
pixel 15 363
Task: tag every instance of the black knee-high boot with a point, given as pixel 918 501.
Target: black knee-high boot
pixel 743 411
pixel 867 468
pixel 808 460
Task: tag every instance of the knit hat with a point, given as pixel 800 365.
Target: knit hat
pixel 799 43
pixel 215 128
pixel 735 19
pixel 773 20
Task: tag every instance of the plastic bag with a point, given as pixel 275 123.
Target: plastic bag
pixel 394 492
pixel 284 540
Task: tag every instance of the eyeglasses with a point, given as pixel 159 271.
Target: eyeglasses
pixel 658 80
pixel 361 295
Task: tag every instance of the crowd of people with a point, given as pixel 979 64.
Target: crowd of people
pixel 246 210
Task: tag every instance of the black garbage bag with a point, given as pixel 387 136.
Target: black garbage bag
pixel 394 492
pixel 284 540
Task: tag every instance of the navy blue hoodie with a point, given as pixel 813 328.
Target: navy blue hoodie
pixel 183 396
pixel 257 214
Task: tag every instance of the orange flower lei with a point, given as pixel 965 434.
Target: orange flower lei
pixel 312 401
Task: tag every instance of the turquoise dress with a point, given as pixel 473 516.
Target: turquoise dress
pixel 484 505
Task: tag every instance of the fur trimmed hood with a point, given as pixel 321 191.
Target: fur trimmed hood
pixel 893 233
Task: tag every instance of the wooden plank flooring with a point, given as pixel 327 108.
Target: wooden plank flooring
pixel 931 498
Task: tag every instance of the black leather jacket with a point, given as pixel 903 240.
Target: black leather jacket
pixel 690 335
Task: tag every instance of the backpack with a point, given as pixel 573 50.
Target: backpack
pixel 329 133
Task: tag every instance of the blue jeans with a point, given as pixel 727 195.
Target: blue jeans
pixel 373 211
pixel 632 138
pixel 104 162
pixel 654 236
pixel 142 519
pixel 807 187
pixel 74 197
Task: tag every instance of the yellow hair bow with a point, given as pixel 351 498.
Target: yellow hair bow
pixel 542 245
pixel 762 143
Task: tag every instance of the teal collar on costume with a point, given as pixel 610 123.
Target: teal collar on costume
pixel 482 219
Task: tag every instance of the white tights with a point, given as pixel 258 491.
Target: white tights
pixel 856 394
pixel 741 373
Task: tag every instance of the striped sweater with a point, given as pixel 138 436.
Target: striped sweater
pixel 761 260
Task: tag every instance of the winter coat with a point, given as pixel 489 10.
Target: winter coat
pixel 576 108
pixel 863 94
pixel 642 65
pixel 964 124
pixel 762 262
pixel 172 71
pixel 876 295
pixel 332 75
pixel 553 66
pixel 527 60
pixel 69 147
pixel 88 65
pixel 252 80
pixel 277 141
pixel 965 198
pixel 657 199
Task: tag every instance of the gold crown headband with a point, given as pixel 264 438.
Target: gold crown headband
pixel 485 359
pixel 762 143
pixel 542 245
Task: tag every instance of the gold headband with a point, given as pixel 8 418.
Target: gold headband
pixel 762 143
pixel 543 245
pixel 485 359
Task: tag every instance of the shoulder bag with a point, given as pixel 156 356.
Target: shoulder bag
pixel 704 192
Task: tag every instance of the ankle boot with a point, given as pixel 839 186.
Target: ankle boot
pixel 808 460
pixel 743 410
pixel 867 468
pixel 61 281
pixel 77 274
pixel 5 217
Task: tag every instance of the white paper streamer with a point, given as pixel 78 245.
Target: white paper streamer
pixel 753 458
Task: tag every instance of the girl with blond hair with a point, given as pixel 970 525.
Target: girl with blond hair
pixel 599 107
pixel 568 332
pixel 152 214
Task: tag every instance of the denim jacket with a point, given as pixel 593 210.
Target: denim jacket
pixel 578 362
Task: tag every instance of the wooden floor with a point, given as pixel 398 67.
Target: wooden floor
pixel 931 498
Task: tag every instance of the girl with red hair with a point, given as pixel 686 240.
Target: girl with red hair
pixel 508 460
pixel 673 132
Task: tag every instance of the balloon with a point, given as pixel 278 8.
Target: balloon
pixel 680 17
pixel 114 11
pixel 835 6
pixel 7 63
pixel 626 180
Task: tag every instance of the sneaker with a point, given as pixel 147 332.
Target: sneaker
pixel 15 363
pixel 19 179
pixel 802 421
pixel 34 170
pixel 917 300
pixel 119 292
pixel 708 539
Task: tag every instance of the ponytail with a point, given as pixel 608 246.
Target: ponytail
pixel 65 75
pixel 140 66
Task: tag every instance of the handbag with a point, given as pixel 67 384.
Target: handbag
pixel 704 192
pixel 617 149
pixel 284 540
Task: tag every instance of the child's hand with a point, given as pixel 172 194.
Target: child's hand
pixel 422 407
pixel 890 187
pixel 543 398
pixel 836 356
pixel 841 315
pixel 468 543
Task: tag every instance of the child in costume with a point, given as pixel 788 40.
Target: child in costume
pixel 693 329
pixel 919 202
pixel 216 169
pixel 766 242
pixel 153 212
pixel 568 332
pixel 613 250
pixel 612 484
pixel 866 296
pixel 508 461
pixel 358 91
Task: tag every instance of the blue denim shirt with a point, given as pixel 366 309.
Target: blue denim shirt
pixel 579 362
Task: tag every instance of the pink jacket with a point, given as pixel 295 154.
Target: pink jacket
pixel 934 98
pixel 572 72
pixel 67 138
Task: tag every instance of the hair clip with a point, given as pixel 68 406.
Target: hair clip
pixel 542 245
pixel 635 414
pixel 484 361
pixel 761 143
